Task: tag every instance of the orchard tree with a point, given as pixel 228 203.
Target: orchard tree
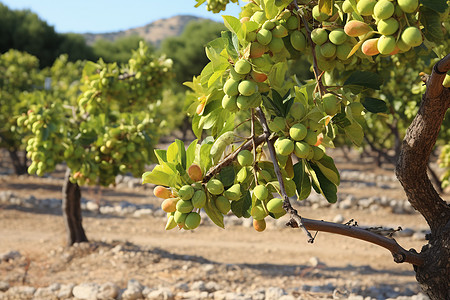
pixel 109 129
pixel 292 124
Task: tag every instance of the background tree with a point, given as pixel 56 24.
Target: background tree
pixel 119 50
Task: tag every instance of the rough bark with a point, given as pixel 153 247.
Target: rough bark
pixel 411 170
pixel 71 208
pixel 20 167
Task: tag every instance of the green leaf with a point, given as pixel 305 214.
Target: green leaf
pixel 302 181
pixel 329 170
pixel 374 105
pixel 205 158
pixel 326 6
pixel 436 5
pixel 327 188
pixel 341 120
pixel 270 9
pixel 176 153
pixel 190 153
pixel 364 79
pixel 213 213
pixel 161 155
pixel 207 72
pixel 160 175
pixel 355 133
pixel 234 25
pixel 199 2
pixel 431 22
pixel 231 44
pixel 226 176
pixel 277 75
pixel 243 206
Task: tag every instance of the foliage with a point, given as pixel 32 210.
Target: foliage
pixel 118 50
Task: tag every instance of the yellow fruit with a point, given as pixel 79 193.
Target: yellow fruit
pixel 245 158
pixel 369 47
pixel 242 66
pixel 387 26
pixel 365 7
pixel 356 28
pixel 162 192
pixel 412 36
pixel 259 225
pixel 247 87
pixel 169 205
pixel 383 9
pixel 408 6
pixel 298 132
pixel 261 192
pixel 386 44
pixel 284 146
pixel 275 205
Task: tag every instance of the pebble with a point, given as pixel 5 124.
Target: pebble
pixel 65 291
pixel 274 293
pixel 160 294
pixel 86 291
pixel 10 255
pixel 4 286
pixel 339 219
pixel 108 290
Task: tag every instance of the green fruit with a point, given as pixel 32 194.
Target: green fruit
pixel 230 103
pixel 298 132
pixel 402 46
pixel 298 40
pixel 247 102
pixel 319 36
pixel 383 9
pixel 318 153
pixel 356 108
pixel 365 7
pixel 290 186
pixel 222 204
pixel 236 76
pixel 387 26
pixel 277 124
pixel 199 199
pixel 184 206
pixel 264 36
pixel 261 192
pixel 297 111
pixel 251 36
pixel 342 51
pixel 386 44
pixel 311 137
pixel 310 153
pixel 408 6
pixel 412 36
pixel 179 217
pixel 230 87
pixel 258 212
pixel 233 193
pixel 338 36
pixel 242 67
pixel 301 149
pixel 284 146
pixel 247 87
pixel 241 175
pixel 347 6
pixel 259 17
pixel 192 220
pixel 186 192
pixel 279 31
pixel 330 104
pixel 275 205
pixel 328 50
pixel 276 45
pixel 215 187
pixel 292 23
pixel 319 16
pixel 245 158
pixel 269 25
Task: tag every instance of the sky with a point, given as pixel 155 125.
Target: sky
pixel 98 16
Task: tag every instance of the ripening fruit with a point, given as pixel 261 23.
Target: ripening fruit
pixel 387 26
pixel 412 36
pixel 233 193
pixel 318 153
pixel 247 87
pixel 169 205
pixel 186 192
pixel 222 204
pixel 311 137
pixel 365 7
pixel 284 146
pixel 259 225
pixel 184 206
pixel 408 6
pixel 257 50
pixel 230 103
pixel 245 158
pixel 258 212
pixel 215 187
pixel 162 192
pixel 243 67
pixel 279 31
pixel 258 77
pixel 369 47
pixel 298 40
pixel 261 192
pixel 319 36
pixel 298 132
pixel 328 50
pixel 199 199
pixel 319 16
pixel 276 45
pixel 301 149
pixel 330 104
pixel 338 36
pixel 383 9
pixel 264 36
pixel 275 205
pixel 356 28
pixel 292 23
pixel 230 87
pixel 386 44
pixel 192 220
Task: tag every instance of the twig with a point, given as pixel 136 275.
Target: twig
pixel 286 204
pixel 254 145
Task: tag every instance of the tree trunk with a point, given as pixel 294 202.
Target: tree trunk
pixel 434 275
pixel 20 167
pixel 71 208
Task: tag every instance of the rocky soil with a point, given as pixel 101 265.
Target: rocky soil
pixel 131 256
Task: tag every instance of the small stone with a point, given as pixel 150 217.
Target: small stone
pixel 133 290
pixel 182 287
pixel 274 293
pixel 65 291
pixel 315 262
pixel 108 291
pixel 193 295
pixel 419 236
pixel 287 297
pixel 86 291
pixel 22 292
pixel 212 286
pixel 91 206
pixel 4 286
pixel 11 255
pixel 339 219
pixel 161 294
pixel 198 286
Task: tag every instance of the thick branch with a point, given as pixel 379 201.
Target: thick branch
pixel 417 146
pixel 400 254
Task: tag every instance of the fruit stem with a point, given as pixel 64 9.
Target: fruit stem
pixel 286 203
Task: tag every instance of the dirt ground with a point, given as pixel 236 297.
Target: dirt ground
pixel 237 258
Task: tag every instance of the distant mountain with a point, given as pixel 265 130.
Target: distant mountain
pixel 154 32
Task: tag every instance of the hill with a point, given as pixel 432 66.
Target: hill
pixel 153 32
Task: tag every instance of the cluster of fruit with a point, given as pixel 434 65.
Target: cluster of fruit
pixel 216 6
